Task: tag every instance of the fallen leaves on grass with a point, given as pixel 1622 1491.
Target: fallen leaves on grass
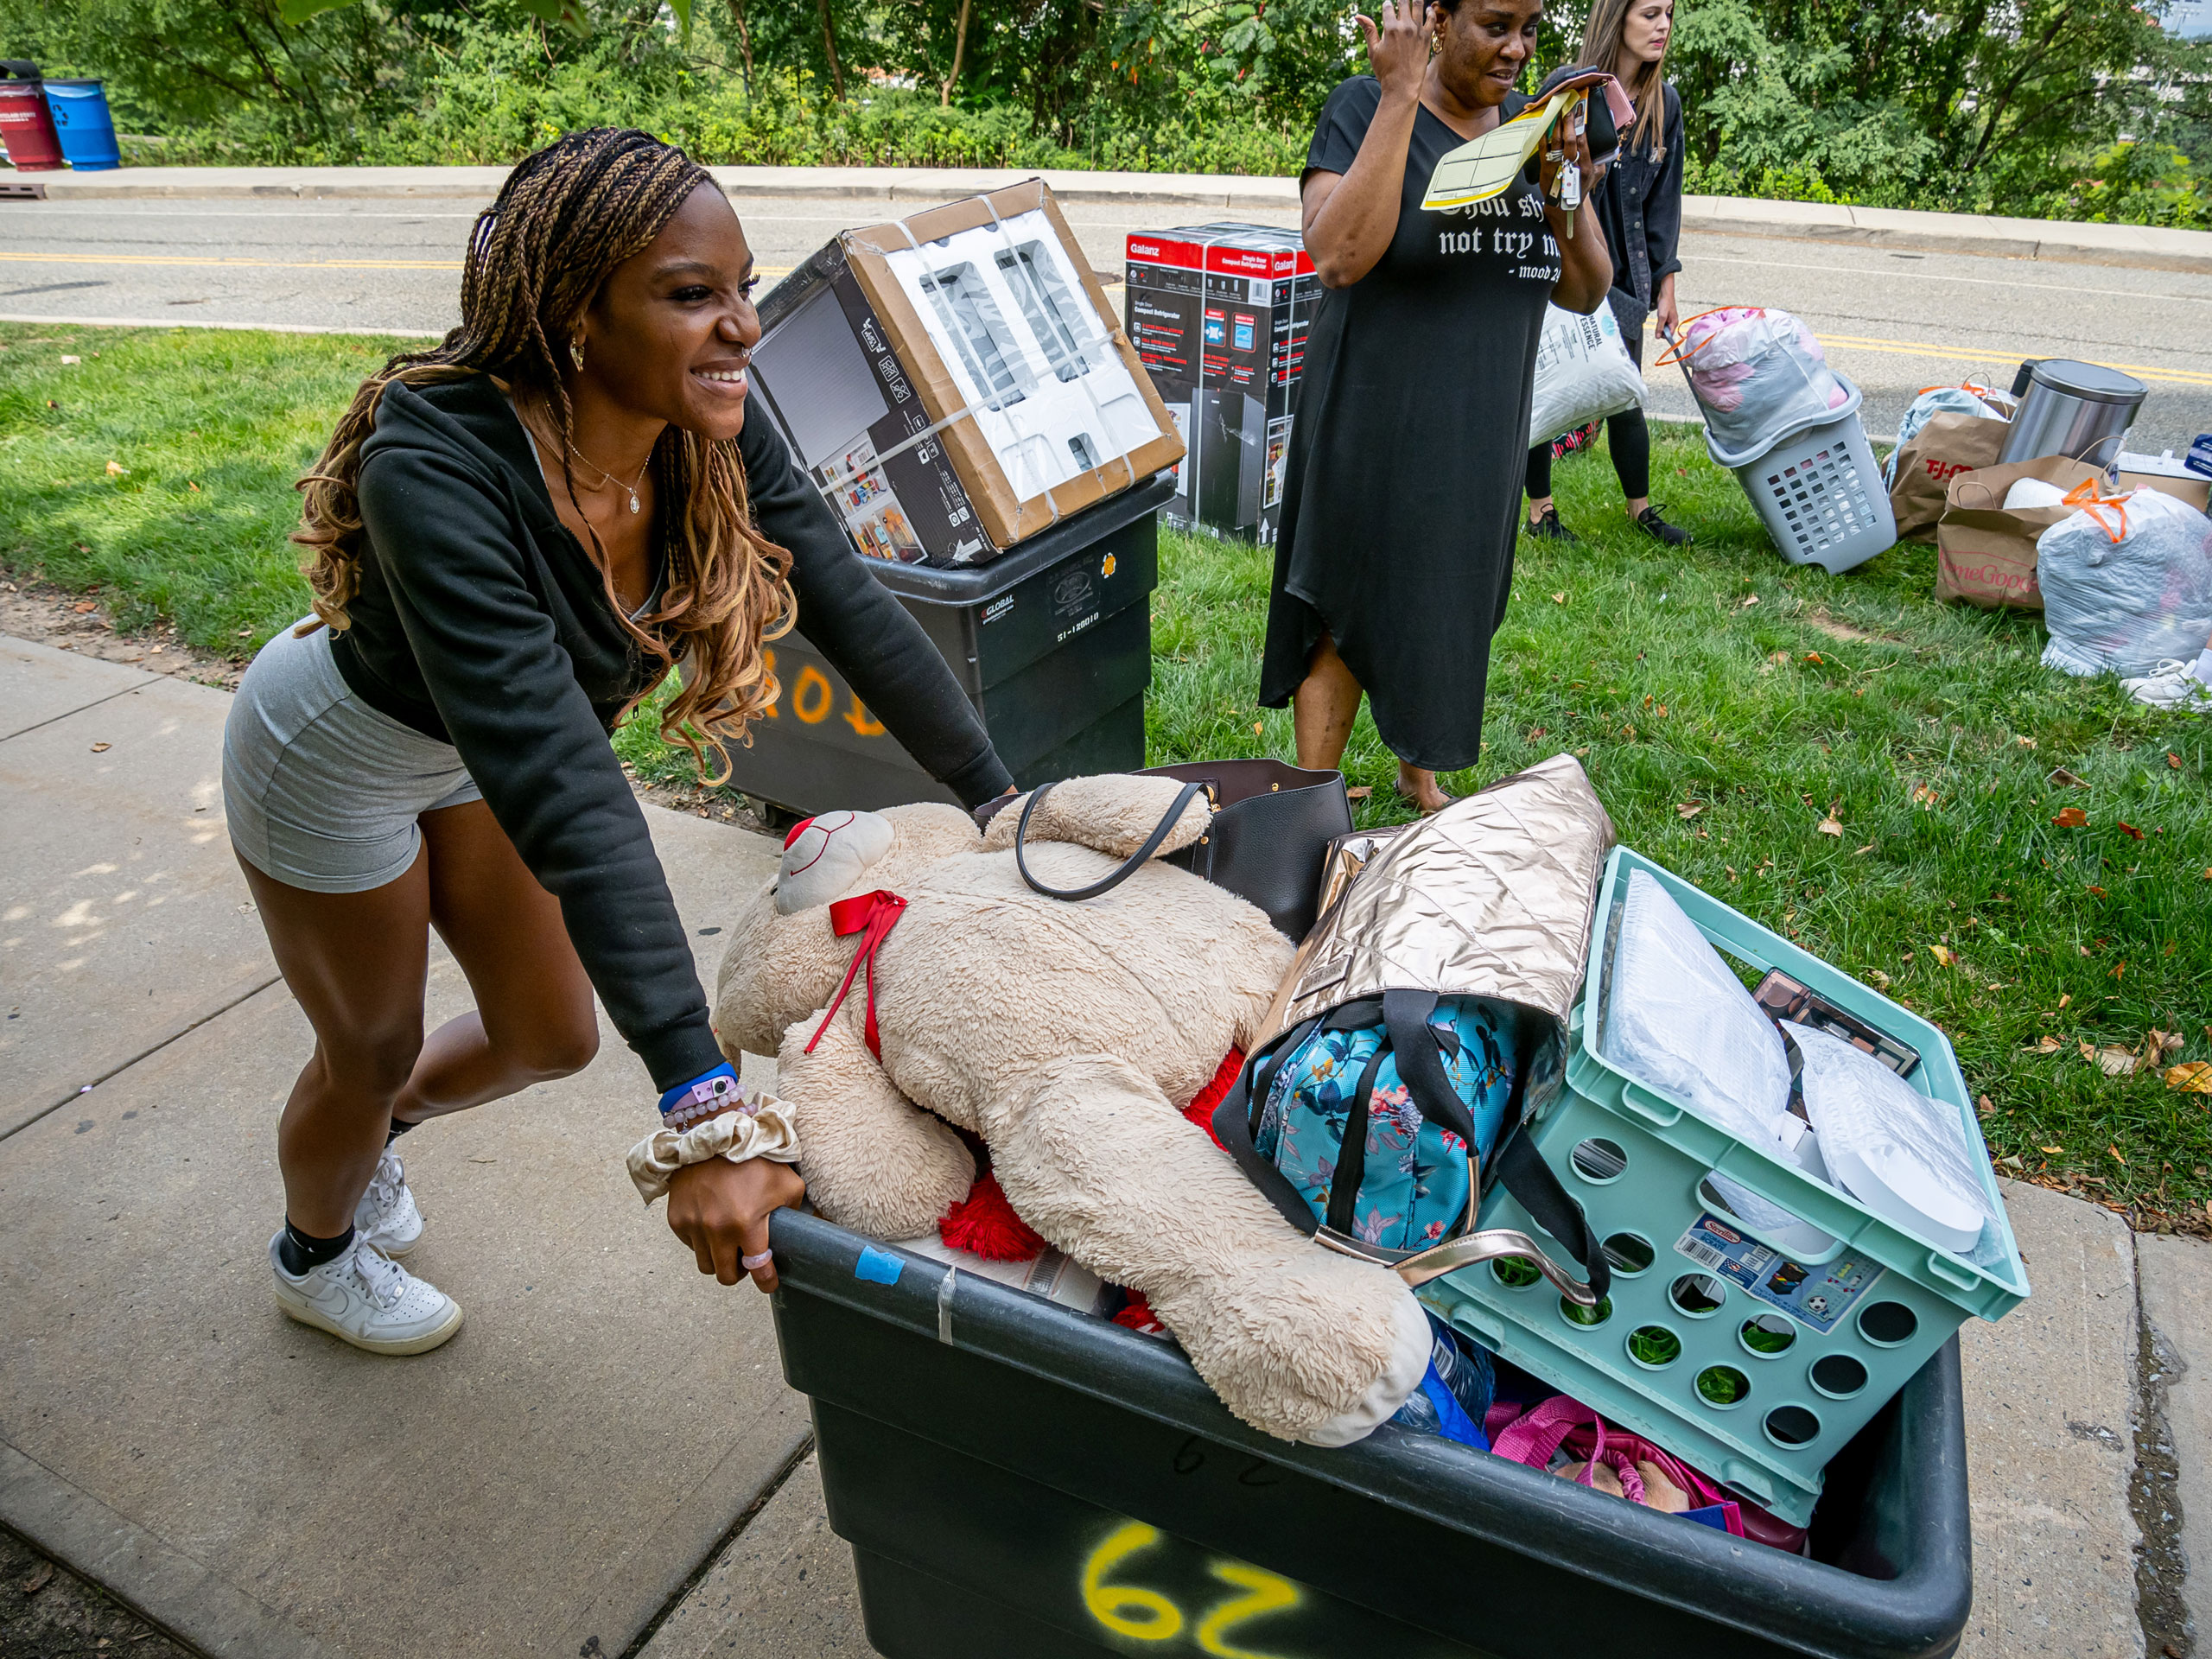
pixel 2026 742
pixel 116 469
pixel 39 1577
pixel 2065 779
pixel 1982 1107
pixel 2101 893
pixel 87 607
pixel 1943 956
pixel 2131 831
pixel 2115 1153
pixel 1258 730
pixel 1881 981
pixel 2064 997
pixel 1688 809
pixel 2047 1044
pixel 2173 759
pixel 2111 1060
pixel 2192 1077
pixel 1750 599
pixel 2054 1151
pixel 1828 826
pixel 1923 797
pixel 1359 791
pixel 1559 599
pixel 2072 818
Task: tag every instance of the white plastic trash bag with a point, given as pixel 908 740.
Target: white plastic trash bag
pixel 1903 1156
pixel 1759 376
pixel 1678 1020
pixel 2127 585
pixel 1584 372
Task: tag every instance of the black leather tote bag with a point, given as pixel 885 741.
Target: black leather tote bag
pixel 1270 834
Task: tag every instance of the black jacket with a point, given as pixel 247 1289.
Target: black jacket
pixel 1639 202
pixel 483 623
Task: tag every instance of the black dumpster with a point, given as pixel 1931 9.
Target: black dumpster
pixel 1018 1481
pixel 1052 641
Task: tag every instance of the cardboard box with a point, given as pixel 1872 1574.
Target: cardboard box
pixel 956 382
pixel 1219 314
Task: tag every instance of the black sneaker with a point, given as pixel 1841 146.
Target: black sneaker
pixel 1549 528
pixel 1660 530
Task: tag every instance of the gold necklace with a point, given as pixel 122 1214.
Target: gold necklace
pixel 606 476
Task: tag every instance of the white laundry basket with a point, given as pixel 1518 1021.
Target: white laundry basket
pixel 1820 490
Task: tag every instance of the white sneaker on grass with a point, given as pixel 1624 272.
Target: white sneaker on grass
pixel 386 1216
pixel 2172 684
pixel 364 1297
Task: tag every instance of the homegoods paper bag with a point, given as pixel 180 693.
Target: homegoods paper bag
pixel 1945 446
pixel 1985 554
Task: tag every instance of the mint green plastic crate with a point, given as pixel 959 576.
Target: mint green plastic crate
pixel 1778 1357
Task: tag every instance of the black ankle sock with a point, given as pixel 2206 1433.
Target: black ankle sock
pixel 299 1251
pixel 398 1129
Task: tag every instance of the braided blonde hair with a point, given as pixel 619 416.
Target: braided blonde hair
pixel 537 258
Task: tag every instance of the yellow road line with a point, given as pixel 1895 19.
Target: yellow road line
pixel 2010 359
pixel 1912 348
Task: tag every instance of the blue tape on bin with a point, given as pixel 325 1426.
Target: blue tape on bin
pixel 878 1267
pixel 2200 455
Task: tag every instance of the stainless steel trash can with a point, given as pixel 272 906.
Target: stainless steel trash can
pixel 2078 409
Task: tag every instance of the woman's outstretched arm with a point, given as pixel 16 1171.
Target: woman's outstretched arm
pixel 1349 218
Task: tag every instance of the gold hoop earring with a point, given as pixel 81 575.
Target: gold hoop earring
pixel 576 353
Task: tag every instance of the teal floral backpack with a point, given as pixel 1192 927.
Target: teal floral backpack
pixel 1342 1125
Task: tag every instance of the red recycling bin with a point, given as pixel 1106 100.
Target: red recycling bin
pixel 26 124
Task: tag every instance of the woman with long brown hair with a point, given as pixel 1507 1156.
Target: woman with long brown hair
pixel 515 536
pixel 1639 201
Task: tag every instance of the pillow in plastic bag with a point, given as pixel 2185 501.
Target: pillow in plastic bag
pixel 1757 374
pixel 2127 585
pixel 1679 1021
pixel 1898 1153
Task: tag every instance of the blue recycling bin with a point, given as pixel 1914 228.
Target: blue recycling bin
pixel 87 129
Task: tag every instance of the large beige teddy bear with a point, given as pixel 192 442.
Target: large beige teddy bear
pixel 1065 1035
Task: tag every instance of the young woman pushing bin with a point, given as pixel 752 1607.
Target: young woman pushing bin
pixel 516 534
pixel 1395 558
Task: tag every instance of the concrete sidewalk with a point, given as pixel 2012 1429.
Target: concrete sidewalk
pixel 606 1453
pixel 545 1482
pixel 2150 247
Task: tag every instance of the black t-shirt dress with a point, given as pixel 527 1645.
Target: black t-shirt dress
pixel 1403 493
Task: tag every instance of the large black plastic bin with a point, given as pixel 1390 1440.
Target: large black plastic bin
pixel 1052 642
pixel 1015 1479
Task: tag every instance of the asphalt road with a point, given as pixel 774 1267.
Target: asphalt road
pixel 1894 322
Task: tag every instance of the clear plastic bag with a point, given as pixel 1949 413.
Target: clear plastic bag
pixel 1758 375
pixel 1677 1020
pixel 2126 584
pixel 1898 1153
pixel 1584 372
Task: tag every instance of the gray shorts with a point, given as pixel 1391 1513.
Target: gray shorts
pixel 322 790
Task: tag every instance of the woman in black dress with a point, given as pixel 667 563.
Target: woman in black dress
pixel 1640 203
pixel 1395 558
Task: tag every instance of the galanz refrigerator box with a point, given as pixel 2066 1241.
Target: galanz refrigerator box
pixel 1219 314
pixel 956 381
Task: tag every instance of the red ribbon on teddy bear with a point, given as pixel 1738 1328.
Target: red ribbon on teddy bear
pixel 872 915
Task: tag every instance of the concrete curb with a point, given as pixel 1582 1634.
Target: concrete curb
pixel 2148 247
pixel 154 1579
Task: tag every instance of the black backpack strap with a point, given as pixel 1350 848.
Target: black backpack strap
pixel 1351 1151
pixel 1113 879
pixel 1532 1184
pixel 1236 1118
pixel 1420 1048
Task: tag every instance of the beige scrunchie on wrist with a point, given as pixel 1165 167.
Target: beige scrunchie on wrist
pixel 760 1127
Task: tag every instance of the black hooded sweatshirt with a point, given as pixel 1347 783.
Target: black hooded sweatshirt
pixel 482 622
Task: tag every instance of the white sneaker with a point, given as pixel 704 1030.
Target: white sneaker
pixel 386 1216
pixel 364 1297
pixel 2172 684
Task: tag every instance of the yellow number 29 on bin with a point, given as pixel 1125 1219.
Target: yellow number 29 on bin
pixel 1146 1616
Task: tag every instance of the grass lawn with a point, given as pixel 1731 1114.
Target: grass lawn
pixel 1727 707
